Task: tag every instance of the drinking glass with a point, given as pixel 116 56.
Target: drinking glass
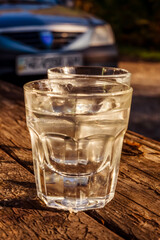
pixel 114 74
pixel 77 126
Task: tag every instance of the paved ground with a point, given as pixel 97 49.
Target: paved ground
pixel 145 112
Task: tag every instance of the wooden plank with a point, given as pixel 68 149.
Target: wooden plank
pixel 23 216
pixel 134 212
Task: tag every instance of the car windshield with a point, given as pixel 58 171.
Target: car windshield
pixel 29 1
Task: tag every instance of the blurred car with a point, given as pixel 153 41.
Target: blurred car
pixel 37 35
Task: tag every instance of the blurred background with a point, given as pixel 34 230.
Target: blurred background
pixel 39 34
pixel 136 25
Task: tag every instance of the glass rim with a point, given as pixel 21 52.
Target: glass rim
pixel 28 88
pixel 125 73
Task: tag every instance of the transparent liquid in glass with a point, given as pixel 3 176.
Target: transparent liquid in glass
pixel 76 145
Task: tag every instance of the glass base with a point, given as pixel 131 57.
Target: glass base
pixel 75 205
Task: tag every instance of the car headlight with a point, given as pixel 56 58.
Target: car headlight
pixel 102 35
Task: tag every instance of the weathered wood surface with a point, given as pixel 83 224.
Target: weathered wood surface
pixel 134 213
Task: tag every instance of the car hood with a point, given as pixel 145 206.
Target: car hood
pixel 16 16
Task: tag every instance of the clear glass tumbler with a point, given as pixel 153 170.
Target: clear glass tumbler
pixel 114 74
pixel 77 127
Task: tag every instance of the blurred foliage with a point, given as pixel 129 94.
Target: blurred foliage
pixel 138 53
pixel 135 22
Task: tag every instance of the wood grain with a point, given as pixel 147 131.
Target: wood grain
pixel 132 214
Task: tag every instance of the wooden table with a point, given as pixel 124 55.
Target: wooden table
pixel 134 213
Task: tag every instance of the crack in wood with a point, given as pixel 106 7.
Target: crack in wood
pixel 112 227
pixel 137 204
pixel 8 151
